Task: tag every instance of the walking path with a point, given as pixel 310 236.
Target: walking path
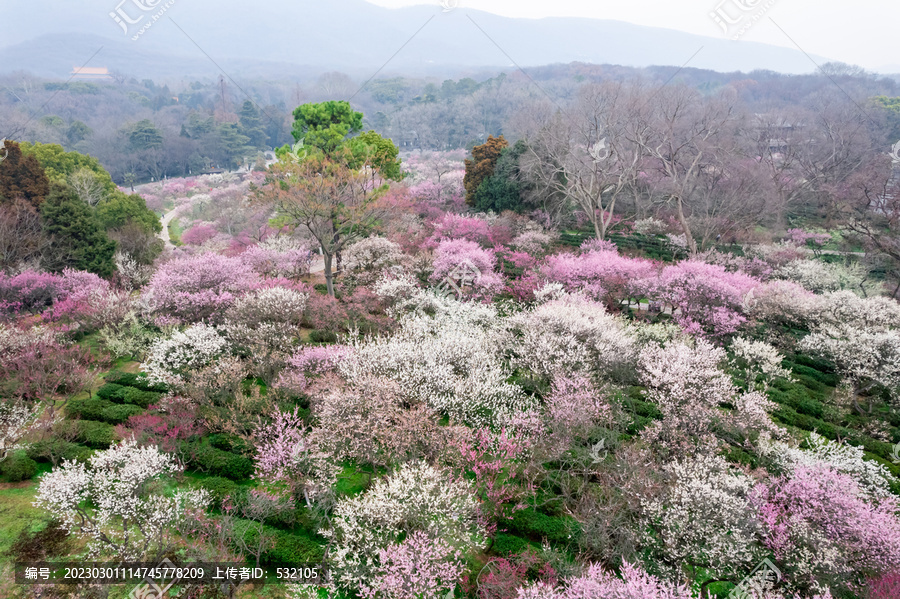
pixel 164 234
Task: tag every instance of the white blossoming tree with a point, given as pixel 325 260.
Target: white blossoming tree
pixel 16 420
pixel 417 498
pixel 172 360
pixel 113 502
pixel 705 521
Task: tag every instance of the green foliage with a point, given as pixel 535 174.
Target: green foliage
pixel 387 91
pixel 215 462
pixel 91 433
pixel 293 548
pixel 119 210
pixel 77 132
pixel 534 525
pixel 736 455
pixel 506 545
pixel 18 467
pixel 143 399
pixel 371 149
pixel 231 443
pixel 77 239
pixel 60 164
pixel 66 450
pixel 117 414
pixel 219 489
pixel 231 145
pixel 321 336
pixel 101 409
pixel 325 125
pixel 197 126
pixel 251 125
pixel 503 189
pixel 131 379
pixel 144 135
pixel 482 164
pixel 87 409
pixel 112 392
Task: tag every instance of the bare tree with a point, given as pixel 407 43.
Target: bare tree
pixel 22 237
pixel 590 156
pixel 86 185
pixel 683 133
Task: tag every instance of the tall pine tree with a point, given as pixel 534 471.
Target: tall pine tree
pixel 76 238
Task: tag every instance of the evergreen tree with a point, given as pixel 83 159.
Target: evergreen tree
pixel 502 190
pixel 251 125
pixel 481 165
pixel 76 238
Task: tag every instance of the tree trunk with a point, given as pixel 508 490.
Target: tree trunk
pixel 692 244
pixel 329 275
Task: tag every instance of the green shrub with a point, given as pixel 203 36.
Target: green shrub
pixel 113 392
pixel 141 398
pixel 736 455
pixel 87 409
pixel 216 462
pixel 117 414
pixel 219 488
pixel 231 443
pixel 18 467
pixel 534 525
pixel 321 288
pixel 288 548
pixel 130 379
pixel 96 435
pixel 294 548
pixel 320 336
pixel 42 451
pixel 505 545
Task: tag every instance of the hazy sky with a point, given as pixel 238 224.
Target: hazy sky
pixel 863 32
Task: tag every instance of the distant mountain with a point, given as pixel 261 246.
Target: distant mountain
pixel 294 37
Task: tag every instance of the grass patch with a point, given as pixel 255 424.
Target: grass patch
pixel 17 514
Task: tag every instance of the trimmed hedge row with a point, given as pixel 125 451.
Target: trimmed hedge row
pixel 18 467
pixel 215 462
pixel 289 548
pixel 101 409
pixel 130 379
pixel 66 450
pixel 128 395
pixel 91 433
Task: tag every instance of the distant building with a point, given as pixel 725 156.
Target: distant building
pixel 97 73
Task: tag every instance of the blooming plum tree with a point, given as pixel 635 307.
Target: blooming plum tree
pixel 111 501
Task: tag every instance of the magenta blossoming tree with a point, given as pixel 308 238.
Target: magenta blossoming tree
pixel 469 266
pixel 601 273
pixel 597 583
pixel 706 298
pixel 199 288
pixel 825 530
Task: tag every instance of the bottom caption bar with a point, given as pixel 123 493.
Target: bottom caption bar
pixel 167 573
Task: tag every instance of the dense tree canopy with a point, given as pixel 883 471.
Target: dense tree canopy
pixel 325 125
pixel 77 240
pixel 22 177
pixel 481 165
